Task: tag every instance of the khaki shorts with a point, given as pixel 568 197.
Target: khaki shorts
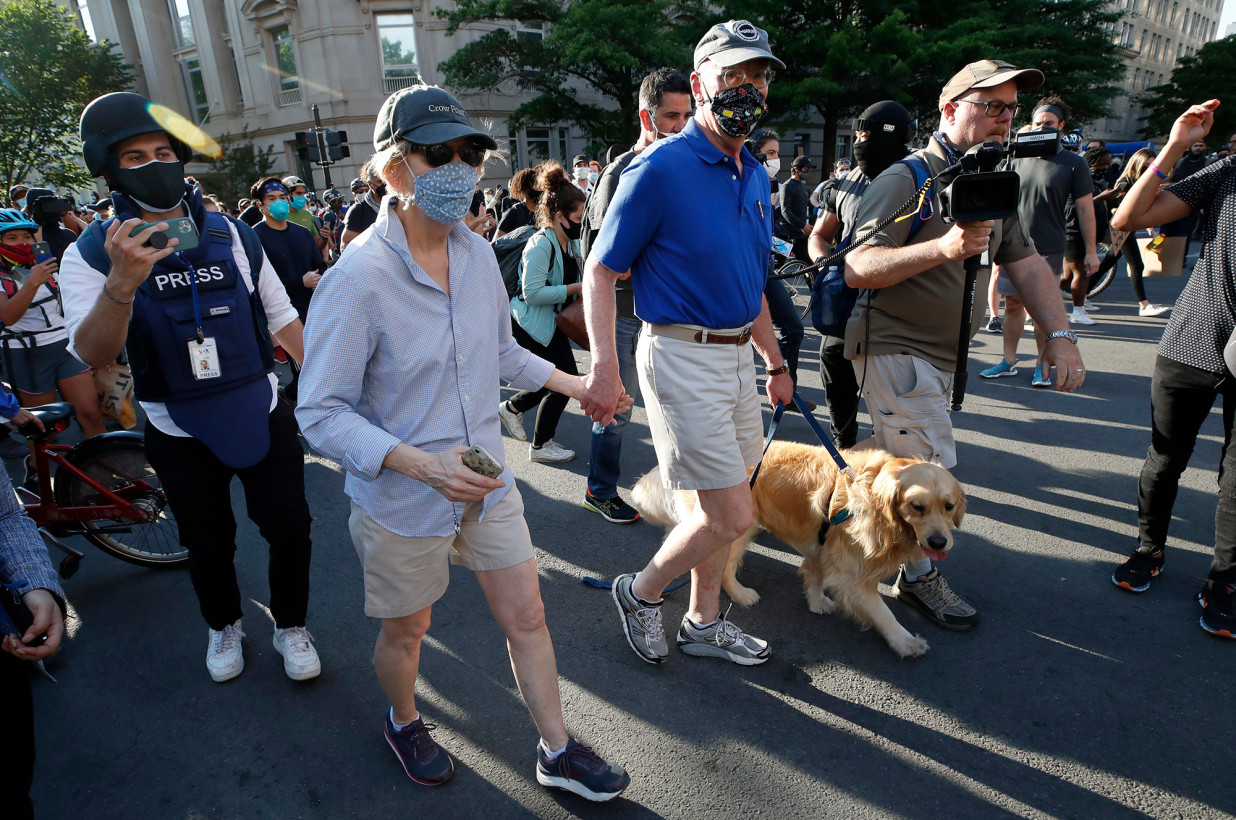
pixel 908 399
pixel 1055 261
pixel 703 410
pixel 404 575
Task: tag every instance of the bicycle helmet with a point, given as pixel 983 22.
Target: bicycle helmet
pixel 113 118
pixel 12 219
pixel 332 195
pixel 1070 141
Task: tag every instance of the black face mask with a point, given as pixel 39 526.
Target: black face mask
pixel 572 228
pixel 878 152
pixel 1098 175
pixel 739 110
pixel 155 186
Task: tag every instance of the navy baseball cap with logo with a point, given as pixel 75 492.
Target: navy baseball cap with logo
pixel 728 44
pixel 426 115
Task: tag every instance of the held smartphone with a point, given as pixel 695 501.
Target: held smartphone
pixel 478 460
pixel 42 251
pixel 181 228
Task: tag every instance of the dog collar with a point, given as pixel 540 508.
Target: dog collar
pixel 839 518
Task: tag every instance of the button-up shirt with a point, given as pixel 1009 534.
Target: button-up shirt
pixel 694 232
pixel 390 357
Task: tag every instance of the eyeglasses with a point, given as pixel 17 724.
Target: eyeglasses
pixel 994 108
pixel 438 155
pixel 734 77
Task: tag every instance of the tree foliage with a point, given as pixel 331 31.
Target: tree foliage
pixel 1198 78
pixel 840 55
pixel 49 71
pixel 236 169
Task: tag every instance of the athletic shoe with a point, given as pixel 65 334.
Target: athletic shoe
pixel 793 408
pixel 225 659
pixel 614 510
pixel 513 422
pixel 722 639
pixel 932 596
pixel 1135 573
pixel 300 659
pixel 1153 310
pixel 1042 378
pixel 1218 617
pixel 422 759
pixel 994 325
pixel 551 452
pixel 1091 307
pixel 641 621
pixel 996 371
pixel 581 771
pixel 1079 317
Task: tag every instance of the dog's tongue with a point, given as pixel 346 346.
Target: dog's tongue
pixel 934 555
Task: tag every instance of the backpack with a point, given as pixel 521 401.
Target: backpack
pixel 832 300
pixel 509 250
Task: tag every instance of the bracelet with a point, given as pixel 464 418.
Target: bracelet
pixel 108 294
pixel 1157 171
pixel 777 371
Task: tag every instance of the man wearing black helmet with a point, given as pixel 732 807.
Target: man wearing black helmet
pixel 195 323
pixel 880 138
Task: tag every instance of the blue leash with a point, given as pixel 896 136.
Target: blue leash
pixel 824 438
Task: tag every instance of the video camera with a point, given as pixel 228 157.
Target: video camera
pixel 980 192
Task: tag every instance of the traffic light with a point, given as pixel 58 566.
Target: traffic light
pixel 307 147
pixel 336 145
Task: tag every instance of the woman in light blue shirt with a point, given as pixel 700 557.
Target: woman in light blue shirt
pixel 549 279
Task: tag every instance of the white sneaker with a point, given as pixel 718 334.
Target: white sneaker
pixel 1079 317
pixel 224 657
pixel 300 659
pixel 513 422
pixel 1153 310
pixel 1090 307
pixel 551 451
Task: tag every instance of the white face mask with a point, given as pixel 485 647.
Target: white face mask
pixel 772 166
pixel 581 172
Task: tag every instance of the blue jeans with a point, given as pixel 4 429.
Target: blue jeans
pixel 606 448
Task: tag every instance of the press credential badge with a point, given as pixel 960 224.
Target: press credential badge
pixel 205 358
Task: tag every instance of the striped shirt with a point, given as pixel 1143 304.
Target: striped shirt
pixel 389 357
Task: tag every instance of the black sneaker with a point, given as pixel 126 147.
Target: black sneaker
pixel 582 771
pixel 1217 612
pixel 424 761
pixel 1135 573
pixel 614 510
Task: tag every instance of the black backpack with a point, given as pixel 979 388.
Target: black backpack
pixel 509 250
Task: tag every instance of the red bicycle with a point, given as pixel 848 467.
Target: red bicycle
pixel 103 489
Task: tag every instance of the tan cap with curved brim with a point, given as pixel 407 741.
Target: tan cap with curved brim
pixel 986 74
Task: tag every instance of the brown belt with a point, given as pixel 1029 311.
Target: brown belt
pixel 708 337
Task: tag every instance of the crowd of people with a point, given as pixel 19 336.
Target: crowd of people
pixel 677 299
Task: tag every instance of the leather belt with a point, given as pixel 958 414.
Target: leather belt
pixel 703 336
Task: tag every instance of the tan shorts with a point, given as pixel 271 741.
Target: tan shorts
pixel 908 399
pixel 703 408
pixel 404 575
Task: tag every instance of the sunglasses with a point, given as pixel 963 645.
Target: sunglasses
pixel 438 155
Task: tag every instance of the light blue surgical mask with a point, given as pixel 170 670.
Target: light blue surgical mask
pixel 21 204
pixel 443 194
pixel 298 202
pixel 279 209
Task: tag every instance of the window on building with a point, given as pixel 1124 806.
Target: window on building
pixel 1137 77
pixel 83 17
pixel 285 63
pixel 536 145
pixel 223 17
pixel 531 30
pixel 1142 45
pixel 195 88
pixel 397 34
pixel 182 26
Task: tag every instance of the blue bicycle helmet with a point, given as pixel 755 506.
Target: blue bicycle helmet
pixel 12 219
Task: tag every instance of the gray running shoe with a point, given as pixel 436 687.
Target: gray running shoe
pixel 931 596
pixel 641 621
pixel 722 640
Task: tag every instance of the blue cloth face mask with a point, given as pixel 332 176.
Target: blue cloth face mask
pixel 443 194
pixel 298 202
pixel 279 209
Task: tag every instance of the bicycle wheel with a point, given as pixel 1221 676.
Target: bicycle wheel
pixel 799 286
pixel 115 465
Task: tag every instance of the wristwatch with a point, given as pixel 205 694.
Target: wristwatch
pixel 777 371
pixel 1063 334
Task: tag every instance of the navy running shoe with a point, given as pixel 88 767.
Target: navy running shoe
pixel 422 759
pixel 582 771
pixel 1135 573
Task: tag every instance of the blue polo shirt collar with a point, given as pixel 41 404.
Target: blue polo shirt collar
pixel 709 153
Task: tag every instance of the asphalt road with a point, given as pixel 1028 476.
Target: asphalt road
pixel 1071 699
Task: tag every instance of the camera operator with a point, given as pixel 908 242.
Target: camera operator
pixel 47 210
pixel 904 342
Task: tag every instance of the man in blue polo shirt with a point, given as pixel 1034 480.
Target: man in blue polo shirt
pixel 698 272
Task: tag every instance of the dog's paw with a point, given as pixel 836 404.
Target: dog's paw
pixel 744 596
pixel 820 604
pixel 911 646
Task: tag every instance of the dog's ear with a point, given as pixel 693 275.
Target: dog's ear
pixel 840 499
pixel 959 507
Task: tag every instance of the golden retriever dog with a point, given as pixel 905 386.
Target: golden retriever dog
pixel 900 509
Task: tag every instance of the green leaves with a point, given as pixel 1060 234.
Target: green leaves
pixel 49 71
pixel 239 166
pixel 1197 79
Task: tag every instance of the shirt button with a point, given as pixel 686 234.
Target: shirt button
pixel 467 398
pixel 733 177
